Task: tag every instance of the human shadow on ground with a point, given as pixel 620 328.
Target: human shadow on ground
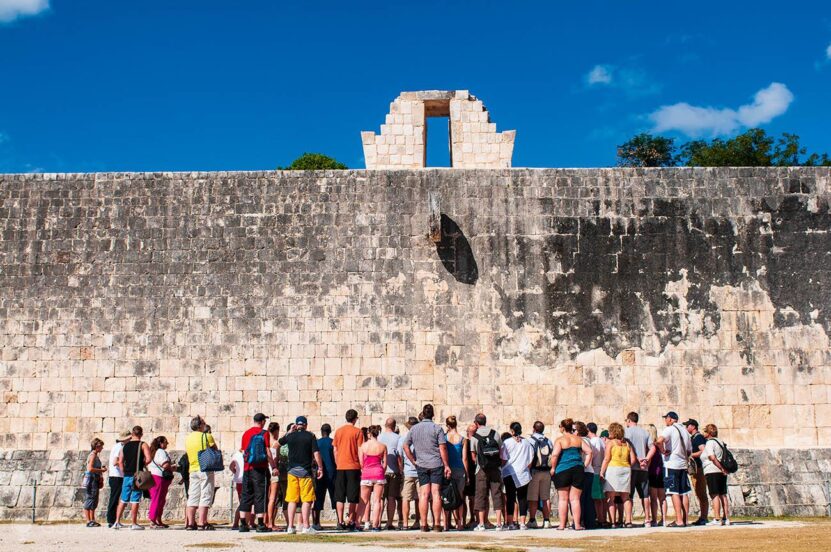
pixel 455 252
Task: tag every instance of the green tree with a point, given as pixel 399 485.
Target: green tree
pixel 646 150
pixel 753 148
pixel 750 149
pixel 314 162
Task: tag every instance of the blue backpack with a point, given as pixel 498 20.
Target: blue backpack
pixel 255 451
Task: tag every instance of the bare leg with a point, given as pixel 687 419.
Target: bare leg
pixel 339 510
pixel 423 504
pixel 612 507
pixel 305 510
pixel 292 509
pixel 437 509
pixel 678 506
pixel 627 507
pixel 377 502
pixel 577 514
pixel 562 507
pixel 405 513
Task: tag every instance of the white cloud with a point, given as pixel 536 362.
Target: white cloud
pixel 12 9
pixel 828 52
pixel 768 103
pixel 632 81
pixel 600 74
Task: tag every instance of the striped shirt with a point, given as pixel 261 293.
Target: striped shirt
pixel 426 437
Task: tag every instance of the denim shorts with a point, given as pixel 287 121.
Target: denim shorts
pixel 129 495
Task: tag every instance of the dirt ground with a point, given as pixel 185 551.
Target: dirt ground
pixel 758 536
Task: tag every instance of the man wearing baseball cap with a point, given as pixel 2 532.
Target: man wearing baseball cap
pixel 304 466
pixel 699 482
pixel 256 476
pixel 115 478
pixel 675 442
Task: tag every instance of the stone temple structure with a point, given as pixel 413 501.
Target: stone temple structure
pixel 527 294
pixel 474 142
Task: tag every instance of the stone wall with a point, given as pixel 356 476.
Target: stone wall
pixel 770 482
pixel 148 298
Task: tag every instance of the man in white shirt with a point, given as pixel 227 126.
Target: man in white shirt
pixel 676 446
pixel 116 477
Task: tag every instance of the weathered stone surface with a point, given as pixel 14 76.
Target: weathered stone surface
pixel 148 298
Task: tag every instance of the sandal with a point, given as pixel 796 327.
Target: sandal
pixel 674 525
pixel 207 527
pixel 627 525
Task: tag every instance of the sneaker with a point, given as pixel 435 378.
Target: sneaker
pixel 136 527
pixel 243 528
pixel 291 530
pixel 375 530
pixel 317 527
pixel 367 526
pixel 714 522
pixel 546 524
pixel 117 525
pixel 309 531
pixel 532 524
pixel 500 528
pixel 262 528
pixel 726 522
pixel 523 527
pixel 479 527
pixel 342 527
pixel 647 524
pixel 700 521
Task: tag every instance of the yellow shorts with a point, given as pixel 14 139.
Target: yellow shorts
pixel 300 489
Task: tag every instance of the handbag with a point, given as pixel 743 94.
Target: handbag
pixel 210 459
pixel 692 465
pixel 143 479
pixel 167 475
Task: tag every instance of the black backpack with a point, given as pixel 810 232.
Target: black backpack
pixel 542 453
pixel 487 451
pixel 450 498
pixel 727 459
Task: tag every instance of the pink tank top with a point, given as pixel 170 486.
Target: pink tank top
pixel 373 469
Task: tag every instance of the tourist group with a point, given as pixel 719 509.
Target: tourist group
pixel 453 478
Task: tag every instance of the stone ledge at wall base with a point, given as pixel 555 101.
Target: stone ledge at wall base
pixel 770 482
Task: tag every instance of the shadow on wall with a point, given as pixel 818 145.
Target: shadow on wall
pixel 455 252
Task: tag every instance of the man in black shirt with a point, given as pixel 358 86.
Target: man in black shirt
pixel 303 461
pixel 699 483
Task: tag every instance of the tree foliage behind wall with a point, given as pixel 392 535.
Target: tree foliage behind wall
pixel 314 162
pixel 753 148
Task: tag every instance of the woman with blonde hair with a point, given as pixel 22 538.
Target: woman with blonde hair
pixel 569 459
pixel 373 458
pixel 93 481
pixel 617 472
pixel 655 473
pixel 716 475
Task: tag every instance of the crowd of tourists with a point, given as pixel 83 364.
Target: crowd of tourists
pixel 451 478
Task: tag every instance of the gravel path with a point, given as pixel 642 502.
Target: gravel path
pixel 72 538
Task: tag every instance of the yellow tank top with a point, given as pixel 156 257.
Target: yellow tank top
pixel 620 456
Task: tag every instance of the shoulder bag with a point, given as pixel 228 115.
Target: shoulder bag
pixel 143 479
pixel 692 465
pixel 210 459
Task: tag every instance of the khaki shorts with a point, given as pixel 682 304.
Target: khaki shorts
pixel 488 482
pixel 201 490
pixel 409 491
pixel 540 486
pixel 393 487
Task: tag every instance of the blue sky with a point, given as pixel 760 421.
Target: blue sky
pixel 218 85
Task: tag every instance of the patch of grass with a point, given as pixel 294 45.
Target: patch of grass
pixel 812 536
pixel 490 548
pixel 210 545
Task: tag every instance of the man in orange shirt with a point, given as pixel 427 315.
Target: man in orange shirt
pixel 348 439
